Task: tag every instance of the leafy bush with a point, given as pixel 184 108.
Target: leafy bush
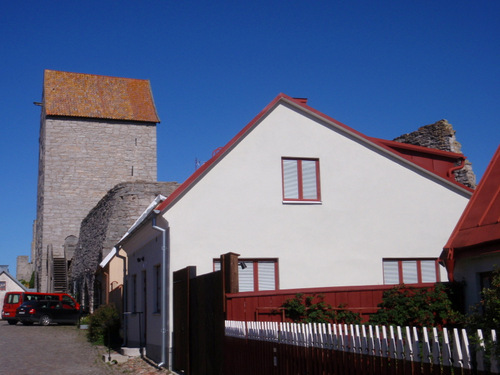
pixel 486 315
pixel 301 309
pixel 104 326
pixel 418 307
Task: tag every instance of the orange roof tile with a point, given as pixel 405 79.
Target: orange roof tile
pixel 94 96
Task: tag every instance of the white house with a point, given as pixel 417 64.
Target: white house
pixel 307 202
pixel 8 283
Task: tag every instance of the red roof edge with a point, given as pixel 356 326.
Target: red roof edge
pixel 448 254
pixel 207 165
pixel 302 103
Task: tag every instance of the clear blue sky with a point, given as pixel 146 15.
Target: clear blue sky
pixel 384 68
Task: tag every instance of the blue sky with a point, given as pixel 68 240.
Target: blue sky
pixel 384 68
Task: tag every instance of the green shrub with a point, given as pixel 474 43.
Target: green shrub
pixel 301 309
pixel 104 326
pixel 417 307
pixel 486 315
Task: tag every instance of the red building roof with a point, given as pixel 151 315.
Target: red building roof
pixel 438 163
pixel 94 96
pixel 479 225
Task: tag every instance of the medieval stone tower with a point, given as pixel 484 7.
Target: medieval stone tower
pixel 95 132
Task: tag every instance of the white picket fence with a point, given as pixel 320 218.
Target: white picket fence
pixel 426 345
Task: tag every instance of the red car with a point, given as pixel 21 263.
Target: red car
pixel 13 300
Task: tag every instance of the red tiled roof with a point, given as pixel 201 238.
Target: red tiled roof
pixel 94 96
pixel 480 221
pixel 436 162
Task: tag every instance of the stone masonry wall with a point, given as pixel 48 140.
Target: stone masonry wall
pixel 108 221
pixel 80 160
pixel 441 136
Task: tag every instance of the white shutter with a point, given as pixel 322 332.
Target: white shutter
pixel 391 272
pixel 245 277
pixel 428 268
pixel 267 280
pixel 410 275
pixel 309 180
pixel 290 179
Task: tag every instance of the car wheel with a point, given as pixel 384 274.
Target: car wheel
pixel 27 323
pixel 12 322
pixel 45 320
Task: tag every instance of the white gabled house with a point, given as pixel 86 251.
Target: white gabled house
pixel 8 283
pixel 307 202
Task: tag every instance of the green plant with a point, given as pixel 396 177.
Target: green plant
pixel 486 314
pixel 31 284
pixel 104 326
pixel 419 307
pixel 304 309
pixel 85 320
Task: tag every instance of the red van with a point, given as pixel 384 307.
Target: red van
pixel 13 300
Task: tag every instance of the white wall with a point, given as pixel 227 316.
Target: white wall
pixel 10 286
pixel 372 207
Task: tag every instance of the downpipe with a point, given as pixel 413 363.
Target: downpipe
pixel 165 293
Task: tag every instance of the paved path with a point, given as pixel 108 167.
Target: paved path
pixel 48 350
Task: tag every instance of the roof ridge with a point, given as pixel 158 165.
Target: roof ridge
pixel 300 103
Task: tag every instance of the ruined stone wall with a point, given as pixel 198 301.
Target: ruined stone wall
pixel 80 160
pixel 104 226
pixel 441 136
pixel 110 219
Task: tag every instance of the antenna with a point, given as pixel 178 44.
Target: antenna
pixel 197 163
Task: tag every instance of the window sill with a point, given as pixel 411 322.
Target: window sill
pixel 303 202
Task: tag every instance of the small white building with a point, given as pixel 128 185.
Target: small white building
pixel 8 283
pixel 308 202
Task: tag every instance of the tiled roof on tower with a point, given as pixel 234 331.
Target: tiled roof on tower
pixel 96 96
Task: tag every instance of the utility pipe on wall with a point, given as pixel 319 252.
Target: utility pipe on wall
pixel 125 297
pixel 165 293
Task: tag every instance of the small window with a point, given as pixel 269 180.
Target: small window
pixel 3 286
pixel 255 274
pixel 301 180
pixel 411 271
pixel 13 298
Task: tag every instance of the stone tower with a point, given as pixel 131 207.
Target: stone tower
pixel 95 132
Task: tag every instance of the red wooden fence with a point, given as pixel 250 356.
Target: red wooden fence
pixel 266 306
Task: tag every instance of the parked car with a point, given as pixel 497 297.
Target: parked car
pixel 46 312
pixel 13 300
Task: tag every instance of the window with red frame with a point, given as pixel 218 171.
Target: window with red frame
pixel 256 274
pixel 411 270
pixel 300 180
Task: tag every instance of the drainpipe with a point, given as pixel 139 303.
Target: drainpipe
pixel 165 294
pixel 125 298
pixel 456 168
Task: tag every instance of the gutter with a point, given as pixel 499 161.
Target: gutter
pixel 125 299
pixel 165 293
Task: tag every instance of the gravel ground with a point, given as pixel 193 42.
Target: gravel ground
pixel 28 350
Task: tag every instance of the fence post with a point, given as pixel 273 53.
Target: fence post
pixel 436 348
pixel 457 350
pixel 494 360
pixel 465 350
